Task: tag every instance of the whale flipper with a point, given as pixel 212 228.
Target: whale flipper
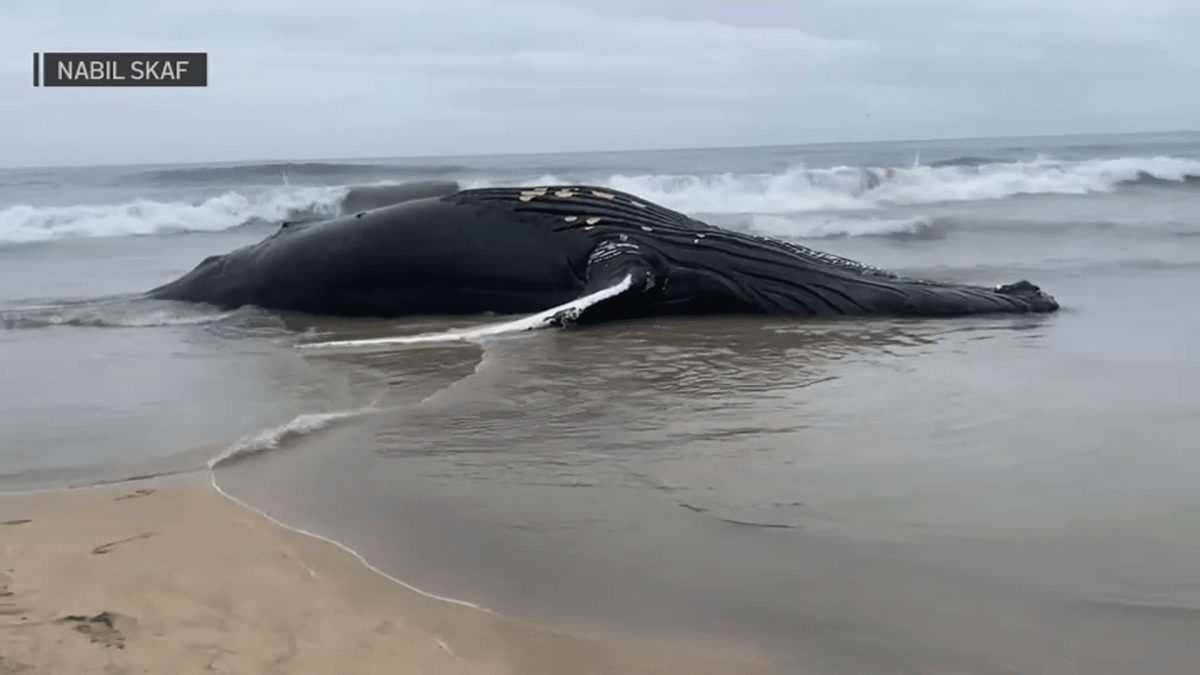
pixel 617 261
pixel 562 315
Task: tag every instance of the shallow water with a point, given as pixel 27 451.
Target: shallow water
pixel 843 487
pixel 854 497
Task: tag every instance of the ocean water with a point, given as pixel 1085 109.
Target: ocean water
pixel 986 495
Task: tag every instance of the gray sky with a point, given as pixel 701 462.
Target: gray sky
pixel 299 79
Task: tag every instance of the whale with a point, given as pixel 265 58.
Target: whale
pixel 540 250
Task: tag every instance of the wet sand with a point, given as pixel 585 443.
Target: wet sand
pixel 168 576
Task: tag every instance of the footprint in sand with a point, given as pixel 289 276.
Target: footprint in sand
pixel 106 628
pixel 145 492
pixel 105 548
pixel 10 609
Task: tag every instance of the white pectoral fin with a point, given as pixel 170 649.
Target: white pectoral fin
pixel 555 316
pixel 564 315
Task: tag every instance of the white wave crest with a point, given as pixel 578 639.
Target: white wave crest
pixel 104 317
pixel 270 439
pixel 844 188
pixel 21 224
pixel 791 193
pixel 820 226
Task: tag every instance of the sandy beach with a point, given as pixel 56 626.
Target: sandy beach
pixel 169 576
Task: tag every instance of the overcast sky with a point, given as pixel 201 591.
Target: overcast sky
pixel 302 79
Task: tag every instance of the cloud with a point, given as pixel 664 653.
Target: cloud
pixel 303 79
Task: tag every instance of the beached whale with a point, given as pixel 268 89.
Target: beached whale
pixel 525 250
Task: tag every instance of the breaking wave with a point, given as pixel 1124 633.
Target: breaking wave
pixel 118 313
pixel 22 224
pixel 830 226
pixel 272 438
pixel 835 201
pixel 801 189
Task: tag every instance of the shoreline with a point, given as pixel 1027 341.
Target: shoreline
pixel 170 574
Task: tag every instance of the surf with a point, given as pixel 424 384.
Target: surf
pixel 818 202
